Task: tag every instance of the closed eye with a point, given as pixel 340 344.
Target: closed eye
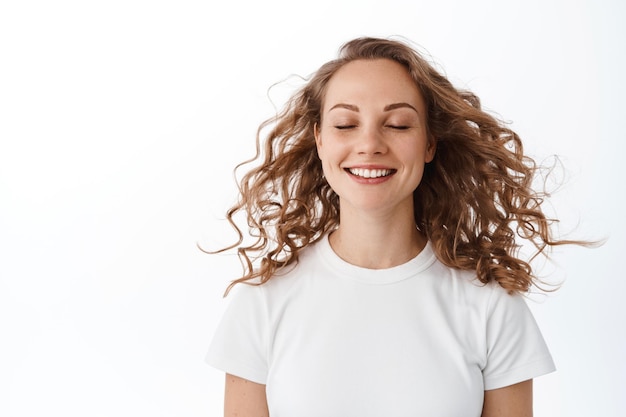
pixel 345 127
pixel 398 127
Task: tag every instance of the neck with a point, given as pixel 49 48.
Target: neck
pixel 377 242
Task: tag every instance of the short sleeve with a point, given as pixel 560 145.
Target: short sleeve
pixel 239 345
pixel 516 350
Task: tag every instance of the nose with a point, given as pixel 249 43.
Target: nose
pixel 372 142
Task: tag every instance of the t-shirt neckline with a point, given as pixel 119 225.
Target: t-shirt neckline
pixel 409 269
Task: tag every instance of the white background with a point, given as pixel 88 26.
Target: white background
pixel 121 121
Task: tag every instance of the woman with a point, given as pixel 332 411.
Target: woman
pixel 385 210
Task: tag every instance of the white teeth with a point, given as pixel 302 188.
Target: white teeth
pixel 370 173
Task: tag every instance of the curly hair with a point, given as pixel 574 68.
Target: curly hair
pixel 474 200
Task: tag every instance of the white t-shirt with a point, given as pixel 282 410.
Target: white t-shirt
pixel 420 339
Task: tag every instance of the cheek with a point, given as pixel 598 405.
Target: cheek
pixel 324 147
pixel 421 149
pixel 328 168
pixel 330 150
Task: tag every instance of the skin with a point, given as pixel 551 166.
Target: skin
pixel 512 401
pixel 374 119
pixel 244 398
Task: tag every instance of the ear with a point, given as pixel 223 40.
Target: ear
pixel 431 148
pixel 318 138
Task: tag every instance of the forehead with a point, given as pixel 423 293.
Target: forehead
pixel 381 81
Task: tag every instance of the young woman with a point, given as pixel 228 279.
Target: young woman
pixel 385 210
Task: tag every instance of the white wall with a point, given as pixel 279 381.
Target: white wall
pixel 120 123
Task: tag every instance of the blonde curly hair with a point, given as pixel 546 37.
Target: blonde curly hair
pixel 475 197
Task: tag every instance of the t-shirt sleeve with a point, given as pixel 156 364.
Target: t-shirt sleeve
pixel 516 350
pixel 239 345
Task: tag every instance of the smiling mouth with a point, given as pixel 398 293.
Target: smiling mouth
pixel 370 173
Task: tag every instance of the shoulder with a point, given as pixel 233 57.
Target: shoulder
pixel 464 284
pixel 283 281
pixel 461 290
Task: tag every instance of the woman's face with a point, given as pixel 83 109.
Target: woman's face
pixel 372 139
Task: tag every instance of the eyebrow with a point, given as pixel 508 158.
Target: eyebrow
pixel 345 106
pixel 388 107
pixel 399 106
